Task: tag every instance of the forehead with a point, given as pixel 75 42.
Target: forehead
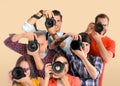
pixel 24 64
pixel 102 20
pixel 61 58
pixel 57 17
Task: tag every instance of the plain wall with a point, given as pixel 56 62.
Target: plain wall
pixel 76 16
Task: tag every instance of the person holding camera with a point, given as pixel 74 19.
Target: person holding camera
pixel 102 45
pixel 23 74
pixel 87 67
pixel 37 48
pixel 57 73
pixel 53 25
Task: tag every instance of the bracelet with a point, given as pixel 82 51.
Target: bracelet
pixel 37 17
pixel 41 11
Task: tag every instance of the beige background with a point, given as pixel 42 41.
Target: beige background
pixel 76 16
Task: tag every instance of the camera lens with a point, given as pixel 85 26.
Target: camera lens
pixel 98 27
pixel 75 44
pixel 18 73
pixel 50 22
pixel 33 45
pixel 58 67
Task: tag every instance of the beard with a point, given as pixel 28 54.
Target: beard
pixel 43 54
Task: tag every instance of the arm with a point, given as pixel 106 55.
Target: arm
pixel 58 41
pixel 14 45
pixel 105 52
pixel 38 61
pixel 28 26
pixel 90 68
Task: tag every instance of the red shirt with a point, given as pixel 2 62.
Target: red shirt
pixel 74 81
pixel 109 45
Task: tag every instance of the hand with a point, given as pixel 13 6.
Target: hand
pixel 90 27
pixel 10 78
pixel 96 36
pixel 48 70
pixel 30 35
pixel 33 53
pixel 80 53
pixel 74 36
pixel 52 30
pixel 48 14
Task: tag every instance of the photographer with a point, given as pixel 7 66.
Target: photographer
pixel 53 29
pixel 40 56
pixel 55 78
pixel 102 45
pixel 87 67
pixel 24 76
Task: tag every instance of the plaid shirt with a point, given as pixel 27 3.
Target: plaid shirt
pixel 22 49
pixel 77 68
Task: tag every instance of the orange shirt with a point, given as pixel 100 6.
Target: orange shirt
pixel 74 81
pixel 109 45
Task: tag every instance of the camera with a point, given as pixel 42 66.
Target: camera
pixel 75 44
pixel 58 67
pixel 33 45
pixel 50 22
pixel 18 73
pixel 98 27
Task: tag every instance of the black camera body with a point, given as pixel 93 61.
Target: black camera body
pixel 58 67
pixel 33 45
pixel 98 27
pixel 50 22
pixel 18 73
pixel 75 44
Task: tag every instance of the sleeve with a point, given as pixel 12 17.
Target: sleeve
pixel 98 65
pixel 67 45
pixel 15 46
pixel 75 81
pixel 28 27
pixel 111 47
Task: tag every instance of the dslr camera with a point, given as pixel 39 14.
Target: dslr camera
pixel 50 22
pixel 98 27
pixel 18 73
pixel 75 44
pixel 33 45
pixel 58 67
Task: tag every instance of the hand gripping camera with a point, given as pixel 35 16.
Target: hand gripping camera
pixel 18 73
pixel 33 45
pixel 58 67
pixel 75 44
pixel 98 27
pixel 50 22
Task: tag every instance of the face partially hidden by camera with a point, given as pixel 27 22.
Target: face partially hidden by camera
pixel 25 66
pixel 65 70
pixel 86 48
pixel 58 23
pixel 104 22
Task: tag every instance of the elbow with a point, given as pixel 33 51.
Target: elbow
pixel 107 60
pixel 95 75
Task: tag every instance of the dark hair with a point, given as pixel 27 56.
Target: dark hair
pixel 27 59
pixel 101 16
pixel 57 13
pixel 63 54
pixel 85 37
